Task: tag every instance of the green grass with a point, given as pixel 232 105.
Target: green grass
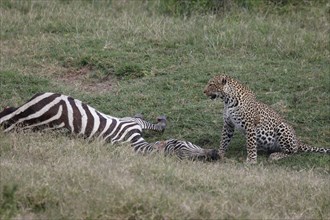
pixel 127 58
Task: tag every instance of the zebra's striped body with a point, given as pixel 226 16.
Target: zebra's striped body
pixel 52 111
pixel 186 150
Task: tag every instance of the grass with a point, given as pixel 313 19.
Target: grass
pixel 91 181
pixel 127 58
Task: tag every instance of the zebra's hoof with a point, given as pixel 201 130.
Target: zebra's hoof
pixel 161 118
pixel 162 121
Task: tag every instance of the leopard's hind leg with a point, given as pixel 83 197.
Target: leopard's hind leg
pixel 286 141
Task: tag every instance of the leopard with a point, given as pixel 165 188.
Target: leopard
pixel 264 129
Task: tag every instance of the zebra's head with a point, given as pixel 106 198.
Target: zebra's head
pixel 212 154
pixel 185 150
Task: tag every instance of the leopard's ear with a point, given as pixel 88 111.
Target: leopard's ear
pixel 223 81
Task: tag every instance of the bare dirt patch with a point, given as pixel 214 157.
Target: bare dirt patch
pixel 87 79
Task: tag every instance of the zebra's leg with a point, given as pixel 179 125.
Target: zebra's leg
pixel 145 125
pixel 160 119
pixel 160 126
pixel 6 111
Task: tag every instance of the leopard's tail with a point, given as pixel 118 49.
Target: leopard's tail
pixel 306 148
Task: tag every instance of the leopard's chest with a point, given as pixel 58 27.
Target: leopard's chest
pixel 236 118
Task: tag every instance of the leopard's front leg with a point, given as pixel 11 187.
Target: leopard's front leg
pixel 251 145
pixel 227 133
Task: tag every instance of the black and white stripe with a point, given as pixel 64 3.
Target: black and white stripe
pixel 186 150
pixel 53 111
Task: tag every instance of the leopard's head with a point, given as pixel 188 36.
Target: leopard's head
pixel 225 87
pixel 216 87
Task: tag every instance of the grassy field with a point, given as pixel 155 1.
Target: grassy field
pixel 125 57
